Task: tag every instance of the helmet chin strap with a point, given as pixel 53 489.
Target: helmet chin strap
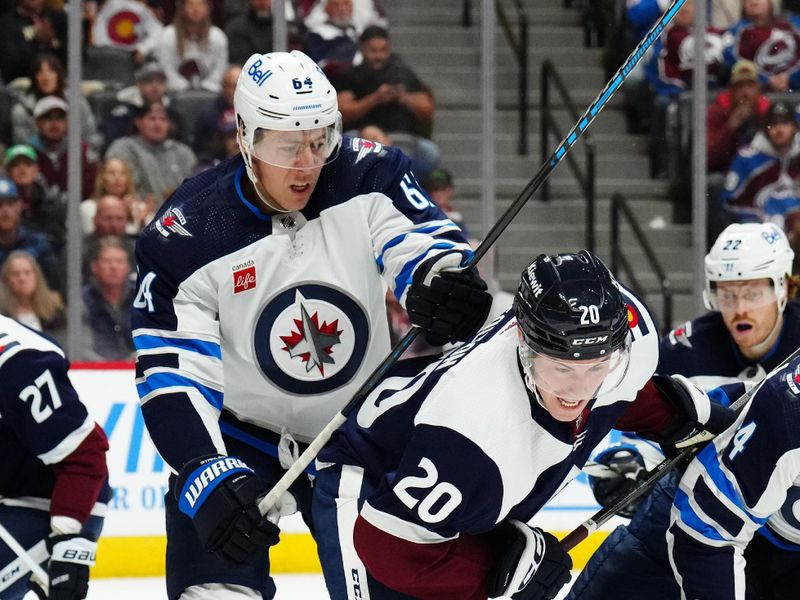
pixel 763 346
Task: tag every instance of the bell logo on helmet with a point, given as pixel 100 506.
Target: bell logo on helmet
pixel 257 74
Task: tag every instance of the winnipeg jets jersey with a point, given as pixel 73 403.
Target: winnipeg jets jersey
pixel 278 320
pixel 468 426
pixel 703 351
pixel 746 481
pixel 42 421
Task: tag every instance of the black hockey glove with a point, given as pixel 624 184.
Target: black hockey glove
pixel 220 494
pixel 615 472
pixel 698 411
pixel 448 304
pixel 68 570
pixel 532 564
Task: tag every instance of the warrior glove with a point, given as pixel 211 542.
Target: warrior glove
pixel 696 412
pixel 532 565
pixel 448 303
pixel 220 494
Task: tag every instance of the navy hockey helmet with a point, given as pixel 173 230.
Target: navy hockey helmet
pixel 568 306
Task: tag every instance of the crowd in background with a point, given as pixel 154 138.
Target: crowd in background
pixel 157 107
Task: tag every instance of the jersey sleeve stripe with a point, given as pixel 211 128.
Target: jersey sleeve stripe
pixel 397 240
pixel 162 382
pixel 258 444
pixel 399 528
pixel 778 541
pixel 403 279
pixel 711 506
pixel 143 343
pixel 690 518
pixel 710 462
pixel 68 444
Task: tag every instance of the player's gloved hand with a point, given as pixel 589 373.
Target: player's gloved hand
pixel 615 472
pixel 698 411
pixel 532 565
pixel 447 303
pixel 71 556
pixel 220 494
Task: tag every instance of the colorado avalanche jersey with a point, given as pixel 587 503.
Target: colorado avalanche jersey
pixel 775 47
pixel 462 445
pixel 746 481
pixel 44 428
pixel 277 319
pixel 703 351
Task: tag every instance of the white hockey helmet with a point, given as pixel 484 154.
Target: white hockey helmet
pixel 745 251
pixel 286 92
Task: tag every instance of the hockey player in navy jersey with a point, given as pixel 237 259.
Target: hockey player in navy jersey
pixel 261 310
pixel 53 474
pixel 735 531
pixel 426 490
pixel 752 328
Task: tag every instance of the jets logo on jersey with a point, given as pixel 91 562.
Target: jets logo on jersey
pixel 311 339
pixel 364 147
pixel 793 381
pixel 172 221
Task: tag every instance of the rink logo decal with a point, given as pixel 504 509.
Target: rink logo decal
pixel 173 221
pixel 244 276
pixel 365 147
pixel 204 479
pixel 311 339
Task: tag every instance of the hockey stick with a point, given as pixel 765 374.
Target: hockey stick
pixel 690 447
pixel 23 555
pixel 491 237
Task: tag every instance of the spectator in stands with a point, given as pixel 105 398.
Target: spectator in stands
pixel 116 179
pixel 44 207
pixel 225 143
pixel 735 115
pixel 169 9
pixel 50 142
pixel 31 29
pixel 16 236
pixel 439 185
pixel 48 78
pixel 771 41
pixel 107 301
pixel 218 112
pixel 364 14
pixel 25 296
pixel 333 43
pixel 415 147
pixel 159 163
pixel 384 91
pixel 762 182
pixel 127 24
pixel 251 32
pixel 110 219
pixel 151 86
pixel 193 52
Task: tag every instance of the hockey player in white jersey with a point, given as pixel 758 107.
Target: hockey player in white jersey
pixel 743 489
pixel 53 475
pixel 427 489
pixel 260 311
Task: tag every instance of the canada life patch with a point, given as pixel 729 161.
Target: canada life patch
pixel 244 276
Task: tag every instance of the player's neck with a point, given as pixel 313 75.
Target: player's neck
pixel 261 199
pixel 758 351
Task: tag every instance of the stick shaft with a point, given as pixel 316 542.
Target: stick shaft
pixel 15 546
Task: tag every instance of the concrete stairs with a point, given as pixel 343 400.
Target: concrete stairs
pixel 445 55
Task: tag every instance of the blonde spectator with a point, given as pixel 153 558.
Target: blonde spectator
pixel 115 178
pixel 48 78
pixel 26 297
pixel 193 52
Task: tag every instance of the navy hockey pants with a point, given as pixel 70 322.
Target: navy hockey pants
pixel 188 564
pixel 338 496
pixel 28 521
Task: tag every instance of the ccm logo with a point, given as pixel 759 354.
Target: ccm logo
pixel 590 341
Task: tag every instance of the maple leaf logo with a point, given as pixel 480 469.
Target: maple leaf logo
pixel 168 221
pixel 311 342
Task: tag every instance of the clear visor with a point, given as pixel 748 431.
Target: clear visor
pixel 574 380
pixel 304 149
pixel 741 296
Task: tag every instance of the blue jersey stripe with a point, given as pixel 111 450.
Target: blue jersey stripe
pixel 150 342
pixel 157 381
pixel 259 444
pixel 690 518
pixel 404 277
pixel 709 459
